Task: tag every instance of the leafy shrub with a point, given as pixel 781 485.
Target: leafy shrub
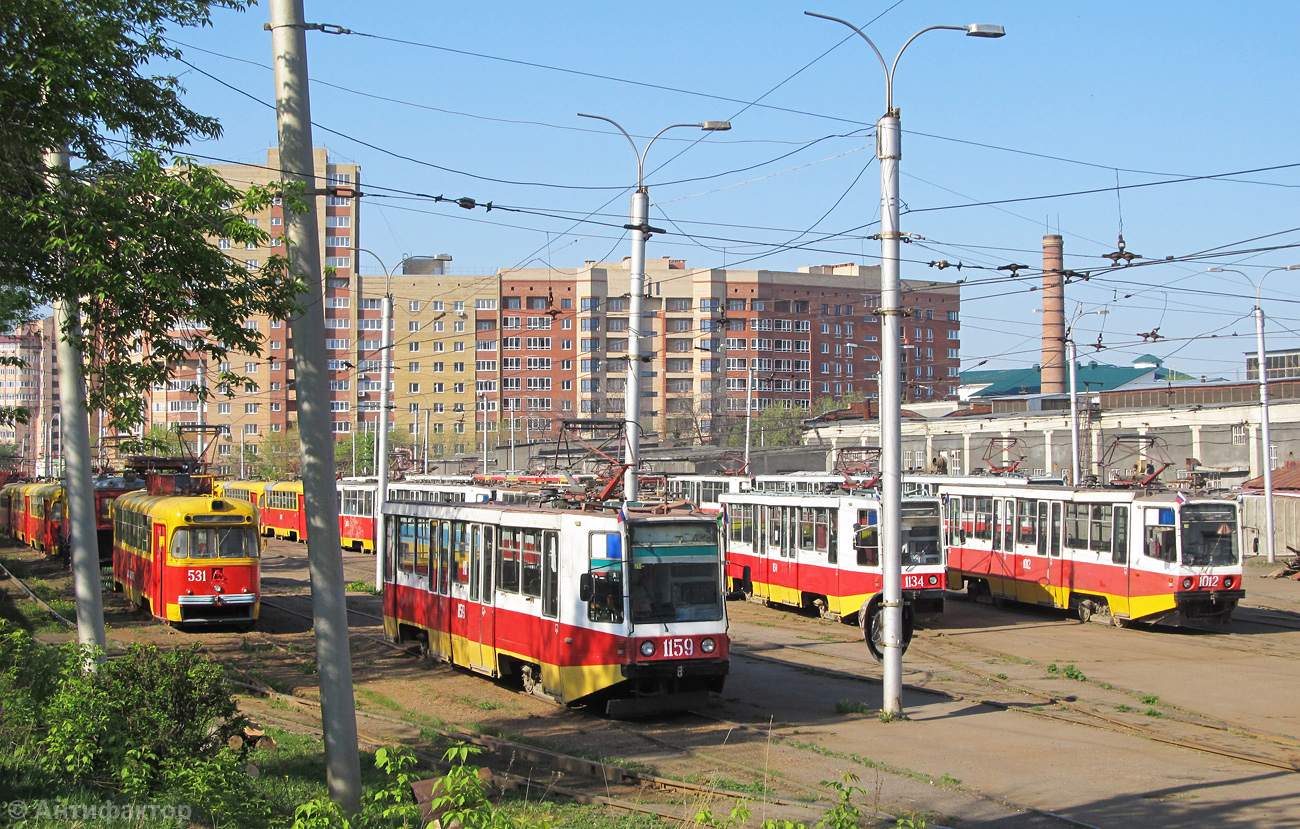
pixel 139 721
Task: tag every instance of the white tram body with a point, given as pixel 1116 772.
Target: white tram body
pixel 581 605
pixel 822 551
pixel 704 491
pixel 1158 557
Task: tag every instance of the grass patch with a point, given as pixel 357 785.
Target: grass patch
pixel 359 586
pixel 846 706
pixel 1151 700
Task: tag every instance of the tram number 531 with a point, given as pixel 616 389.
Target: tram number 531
pixel 679 647
pixel 196 575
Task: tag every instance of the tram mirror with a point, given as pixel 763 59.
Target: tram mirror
pixel 584 587
pixel 962 535
pixel 1256 545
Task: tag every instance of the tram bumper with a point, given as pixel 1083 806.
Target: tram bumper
pixel 925 601
pixel 1193 606
pixel 666 686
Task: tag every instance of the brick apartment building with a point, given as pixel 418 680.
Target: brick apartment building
pixel 515 352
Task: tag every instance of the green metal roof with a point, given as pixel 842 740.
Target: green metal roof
pixel 1090 377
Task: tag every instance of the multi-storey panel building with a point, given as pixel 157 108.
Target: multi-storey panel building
pixel 265 405
pixel 801 336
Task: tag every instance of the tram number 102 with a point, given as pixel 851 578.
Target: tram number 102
pixel 679 647
pixel 196 575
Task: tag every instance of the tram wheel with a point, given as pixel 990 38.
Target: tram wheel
pixel 532 683
pixel 1085 610
pixel 871 620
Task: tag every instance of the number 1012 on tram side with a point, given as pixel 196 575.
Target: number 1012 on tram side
pixel 581 606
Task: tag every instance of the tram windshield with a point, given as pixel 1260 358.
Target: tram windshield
pixel 1209 533
pixel 921 534
pixel 675 572
pixel 214 542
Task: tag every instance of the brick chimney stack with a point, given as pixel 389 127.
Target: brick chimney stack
pixel 1053 360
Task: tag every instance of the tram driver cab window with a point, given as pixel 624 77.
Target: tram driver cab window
pixel 866 539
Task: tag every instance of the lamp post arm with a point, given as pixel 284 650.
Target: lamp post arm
pixel 894 68
pixel 640 163
pixel 640 157
pixel 889 75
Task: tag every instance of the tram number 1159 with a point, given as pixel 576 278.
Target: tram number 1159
pixel 678 648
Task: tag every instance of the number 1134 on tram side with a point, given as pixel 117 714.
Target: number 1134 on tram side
pixel 624 611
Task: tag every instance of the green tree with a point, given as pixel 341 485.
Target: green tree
pixel 125 232
pixel 276 456
pixel 398 443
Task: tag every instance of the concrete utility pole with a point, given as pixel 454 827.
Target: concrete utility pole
pixel 74 425
pixel 325 557
pixel 638 223
pixel 889 151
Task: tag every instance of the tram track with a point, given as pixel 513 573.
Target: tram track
pixel 1066 708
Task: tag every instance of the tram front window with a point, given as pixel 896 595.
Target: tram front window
pixel 214 542
pixel 921 540
pixel 1209 535
pixel 675 572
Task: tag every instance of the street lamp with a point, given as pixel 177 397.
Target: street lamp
pixel 381 442
pixel 888 152
pixel 641 230
pixel 1266 449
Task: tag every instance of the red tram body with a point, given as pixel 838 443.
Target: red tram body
pixel 539 593
pixel 1157 557
pixel 188 559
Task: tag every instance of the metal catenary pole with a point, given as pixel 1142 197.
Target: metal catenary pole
pixel 889 153
pixel 333 658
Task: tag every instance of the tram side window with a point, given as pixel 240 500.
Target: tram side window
pixel 1009 526
pixel 459 552
pixel 1120 554
pixel 866 539
pixel 443 575
pixel 1161 543
pixel 508 561
pixel 826 534
pixel 967 516
pixel 606 568
pixel 807 528
pixel 984 518
pixel 742 522
pixel 489 553
pixel 550 574
pixel 180 544
pixel 1026 529
pixel 1076 526
pixel 1099 536
pixel 530 583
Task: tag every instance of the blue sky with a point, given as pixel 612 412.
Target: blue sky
pixel 481 100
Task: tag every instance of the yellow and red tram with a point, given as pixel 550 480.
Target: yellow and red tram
pixel 188 559
pixel 581 606
pixel 1167 557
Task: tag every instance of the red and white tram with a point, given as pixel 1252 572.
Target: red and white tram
pixel 822 552
pixel 1158 557
pixel 581 605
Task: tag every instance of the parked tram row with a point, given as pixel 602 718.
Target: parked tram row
pixel 626 605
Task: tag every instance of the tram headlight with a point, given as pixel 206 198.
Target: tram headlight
pixel 708 645
pixel 647 648
pixel 1228 581
pixel 932 580
pixel 1187 583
